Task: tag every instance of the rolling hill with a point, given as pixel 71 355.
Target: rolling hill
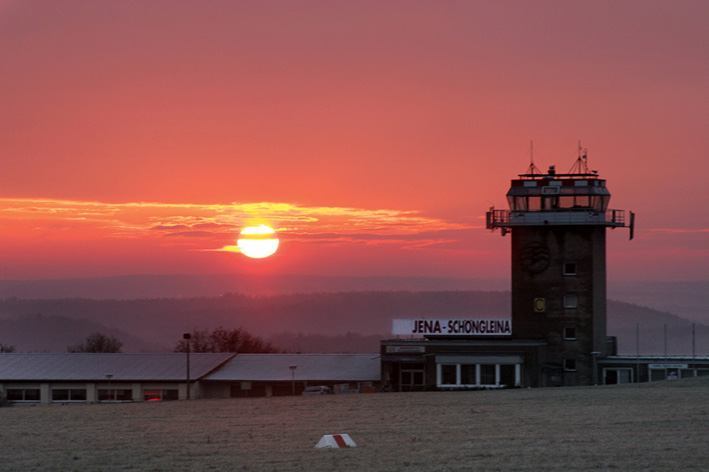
pixel 314 322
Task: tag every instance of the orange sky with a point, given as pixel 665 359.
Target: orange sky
pixel 141 136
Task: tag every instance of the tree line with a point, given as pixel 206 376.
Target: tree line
pixel 218 340
pixel 225 340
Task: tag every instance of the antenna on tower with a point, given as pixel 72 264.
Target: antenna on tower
pixel 581 164
pixel 532 170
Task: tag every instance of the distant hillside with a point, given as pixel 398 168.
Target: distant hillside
pixel 132 287
pixel 164 320
pixel 322 322
pixel 688 299
pixel 52 333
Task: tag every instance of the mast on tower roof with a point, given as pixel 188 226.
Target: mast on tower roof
pixel 581 165
pixel 532 170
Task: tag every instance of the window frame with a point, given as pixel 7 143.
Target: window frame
pixel 478 369
pixel 443 375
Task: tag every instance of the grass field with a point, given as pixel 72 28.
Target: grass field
pixel 662 426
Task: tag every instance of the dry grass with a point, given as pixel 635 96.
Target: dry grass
pixel 662 426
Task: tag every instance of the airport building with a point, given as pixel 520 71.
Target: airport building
pixel 557 331
pixel 46 378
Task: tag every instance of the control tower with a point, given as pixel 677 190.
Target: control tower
pixel 558 224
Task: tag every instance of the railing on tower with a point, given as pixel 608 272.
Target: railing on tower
pixel 507 218
pixel 496 218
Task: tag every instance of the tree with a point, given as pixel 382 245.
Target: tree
pixel 223 340
pixel 97 342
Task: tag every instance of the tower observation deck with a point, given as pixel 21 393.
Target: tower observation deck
pixel 551 199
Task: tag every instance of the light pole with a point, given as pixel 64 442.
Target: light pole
pixel 292 369
pixel 187 337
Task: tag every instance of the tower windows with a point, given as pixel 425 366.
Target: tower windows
pixel 569 268
pixel 571 301
pixel 569 364
pixel 569 333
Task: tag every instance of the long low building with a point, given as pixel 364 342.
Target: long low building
pixel 73 377
pixel 634 369
pixel 79 377
pixel 250 375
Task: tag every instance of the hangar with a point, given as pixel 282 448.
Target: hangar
pixel 265 375
pixel 89 378
pixel 74 377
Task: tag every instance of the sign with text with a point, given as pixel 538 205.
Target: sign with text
pixel 451 327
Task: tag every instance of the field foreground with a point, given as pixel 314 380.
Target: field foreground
pixel 660 426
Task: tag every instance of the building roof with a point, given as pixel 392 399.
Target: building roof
pixel 95 367
pixel 310 367
pixel 654 359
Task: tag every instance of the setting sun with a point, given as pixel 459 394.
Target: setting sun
pixel 258 241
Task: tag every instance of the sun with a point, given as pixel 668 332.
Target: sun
pixel 257 241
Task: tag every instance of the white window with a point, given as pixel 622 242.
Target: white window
pixel 570 301
pixel 478 375
pixel 448 374
pixel 468 374
pixel 488 374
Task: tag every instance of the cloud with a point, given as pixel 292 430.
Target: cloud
pixel 192 234
pixel 169 227
pixel 322 225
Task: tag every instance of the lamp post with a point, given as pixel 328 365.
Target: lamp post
pixel 292 369
pixel 187 337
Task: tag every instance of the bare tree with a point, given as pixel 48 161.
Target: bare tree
pixel 97 342
pixel 224 340
pixel 200 342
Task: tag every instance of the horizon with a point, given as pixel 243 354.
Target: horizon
pixel 372 138
pixel 315 275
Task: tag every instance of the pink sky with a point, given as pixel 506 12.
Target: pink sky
pixel 141 136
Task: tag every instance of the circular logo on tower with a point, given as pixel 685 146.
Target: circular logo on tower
pixel 535 257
